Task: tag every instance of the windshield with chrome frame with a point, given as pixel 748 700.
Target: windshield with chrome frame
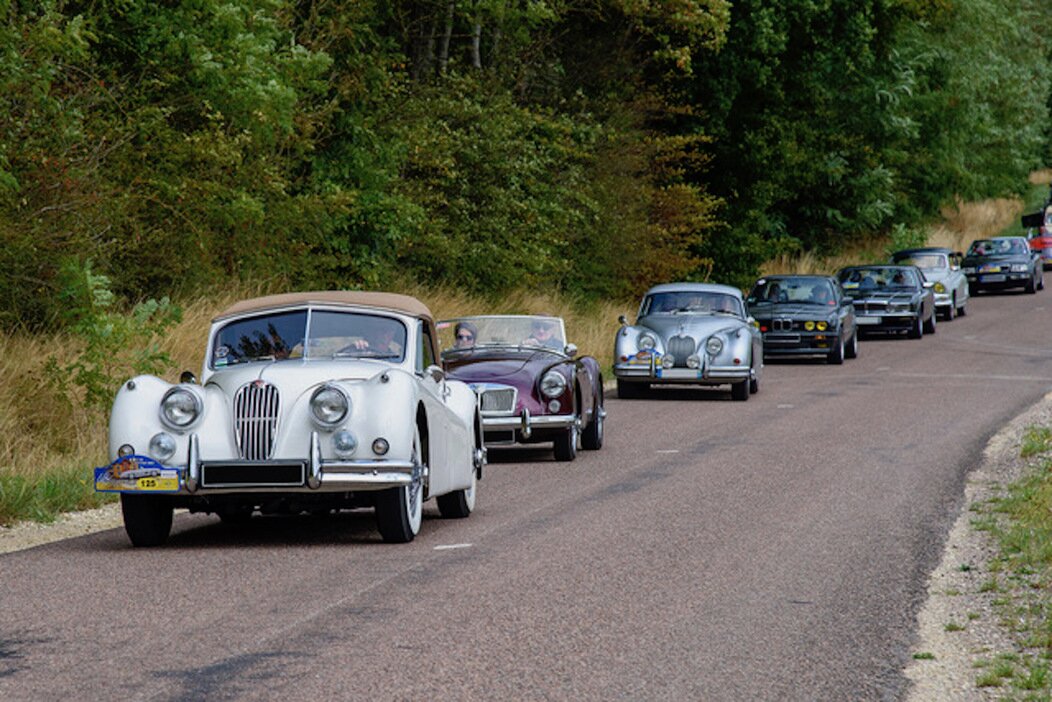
pixel 310 335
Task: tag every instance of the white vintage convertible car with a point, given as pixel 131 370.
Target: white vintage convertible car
pixel 307 402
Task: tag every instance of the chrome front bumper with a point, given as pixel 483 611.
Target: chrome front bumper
pixel 525 423
pixel 712 375
pixel 318 475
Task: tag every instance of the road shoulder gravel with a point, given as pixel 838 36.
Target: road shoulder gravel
pixel 959 626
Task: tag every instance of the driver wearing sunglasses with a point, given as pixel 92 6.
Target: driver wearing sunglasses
pixel 465 333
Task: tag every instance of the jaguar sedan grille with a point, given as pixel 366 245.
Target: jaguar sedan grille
pixel 498 401
pixel 679 347
pixel 255 420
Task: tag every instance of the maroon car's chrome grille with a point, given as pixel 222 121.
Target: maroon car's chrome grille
pixel 498 400
pixel 255 419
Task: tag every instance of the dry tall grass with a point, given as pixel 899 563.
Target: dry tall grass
pixel 958 227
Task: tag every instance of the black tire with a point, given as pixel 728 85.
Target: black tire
pixel 565 444
pixel 592 436
pixel 951 311
pixel 627 390
pixel 399 510
pixel 740 391
pixel 1040 279
pixel 147 519
pixel 917 330
pixel 1030 287
pixel 754 385
pixel 963 309
pixel 458 504
pixel 851 350
pixel 973 289
pixel 836 356
pixel 929 325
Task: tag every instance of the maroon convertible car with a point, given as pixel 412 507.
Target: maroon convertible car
pixel 532 385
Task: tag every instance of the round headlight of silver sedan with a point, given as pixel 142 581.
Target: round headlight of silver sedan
pixel 180 407
pixel 713 345
pixel 553 384
pixel 646 342
pixel 329 405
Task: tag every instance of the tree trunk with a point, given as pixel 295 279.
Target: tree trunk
pixel 476 40
pixel 443 48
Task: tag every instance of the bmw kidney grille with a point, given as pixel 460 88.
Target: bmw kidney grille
pixel 255 420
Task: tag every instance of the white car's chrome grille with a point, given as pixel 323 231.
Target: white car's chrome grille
pixel 255 420
pixel 498 400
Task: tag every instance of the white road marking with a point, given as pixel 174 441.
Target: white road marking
pixel 449 547
pixel 883 369
pixel 668 450
pixel 972 376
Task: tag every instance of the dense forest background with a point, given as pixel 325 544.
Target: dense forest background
pixel 587 146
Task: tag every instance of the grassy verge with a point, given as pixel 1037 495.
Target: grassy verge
pixel 1021 576
pixel 41 497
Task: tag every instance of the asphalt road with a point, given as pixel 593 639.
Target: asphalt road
pixel 713 550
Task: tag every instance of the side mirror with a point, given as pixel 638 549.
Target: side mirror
pixel 436 373
pixel 188 377
pixel 624 322
pixel 570 350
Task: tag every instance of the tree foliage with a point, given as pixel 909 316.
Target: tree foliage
pixel 592 146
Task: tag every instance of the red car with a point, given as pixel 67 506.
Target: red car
pixel 1038 227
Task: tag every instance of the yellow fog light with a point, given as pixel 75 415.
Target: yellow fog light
pixel 821 326
pixel 809 326
pixel 940 288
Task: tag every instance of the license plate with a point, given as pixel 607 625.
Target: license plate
pixel 989 268
pixel 991 279
pixel 868 320
pixel 679 373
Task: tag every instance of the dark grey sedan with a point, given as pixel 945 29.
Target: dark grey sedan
pixel 890 299
pixel 1003 262
pixel 804 315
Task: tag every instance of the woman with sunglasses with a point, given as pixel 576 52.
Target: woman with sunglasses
pixel 465 335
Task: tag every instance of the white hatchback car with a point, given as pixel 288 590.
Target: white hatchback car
pixel 307 402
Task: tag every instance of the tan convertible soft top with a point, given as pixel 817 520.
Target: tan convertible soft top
pixel 383 300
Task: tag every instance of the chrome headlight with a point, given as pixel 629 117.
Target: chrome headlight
pixel 939 288
pixel 162 446
pixel 713 345
pixel 553 384
pixel 899 307
pixel 646 342
pixel 968 269
pixel 693 361
pixel 668 362
pixel 1019 267
pixel 329 405
pixel 180 407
